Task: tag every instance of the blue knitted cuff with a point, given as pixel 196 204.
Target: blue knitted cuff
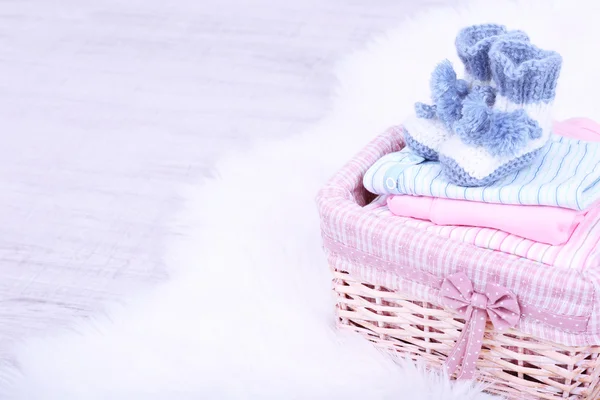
pixel 455 174
pixel 473 44
pixel 420 149
pixel 523 73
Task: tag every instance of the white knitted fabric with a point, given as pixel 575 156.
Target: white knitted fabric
pixel 541 112
pixel 429 132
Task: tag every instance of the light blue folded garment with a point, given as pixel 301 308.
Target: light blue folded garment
pixel 567 174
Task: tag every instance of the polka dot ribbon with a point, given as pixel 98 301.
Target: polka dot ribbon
pixel 497 303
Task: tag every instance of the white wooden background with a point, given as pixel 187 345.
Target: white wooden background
pixel 106 106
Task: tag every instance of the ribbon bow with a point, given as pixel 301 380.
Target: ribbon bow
pixel 497 303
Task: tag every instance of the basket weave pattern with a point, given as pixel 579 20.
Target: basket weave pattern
pixel 513 364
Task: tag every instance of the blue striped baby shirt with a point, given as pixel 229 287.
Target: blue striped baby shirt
pixel 567 174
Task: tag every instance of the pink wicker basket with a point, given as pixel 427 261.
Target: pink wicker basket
pixel 389 281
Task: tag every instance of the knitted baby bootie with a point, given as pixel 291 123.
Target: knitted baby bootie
pixel 432 125
pixel 493 142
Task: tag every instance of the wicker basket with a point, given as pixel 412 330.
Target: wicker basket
pixel 391 282
pixel 514 364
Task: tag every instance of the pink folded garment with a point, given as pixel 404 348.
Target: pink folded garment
pixel 551 225
pixel 578 128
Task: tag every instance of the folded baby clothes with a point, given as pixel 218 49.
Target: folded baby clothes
pixel 578 128
pixel 567 174
pixel 552 225
pixel 580 252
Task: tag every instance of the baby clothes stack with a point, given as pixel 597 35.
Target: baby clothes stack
pixel 486 164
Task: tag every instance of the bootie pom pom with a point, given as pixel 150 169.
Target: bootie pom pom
pixel 447 93
pixel 509 132
pixel 485 93
pixel 476 116
pixel 501 133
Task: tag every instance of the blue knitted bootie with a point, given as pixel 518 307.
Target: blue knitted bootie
pixel 432 125
pixel 492 142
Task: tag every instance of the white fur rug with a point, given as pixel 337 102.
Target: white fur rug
pixel 248 313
